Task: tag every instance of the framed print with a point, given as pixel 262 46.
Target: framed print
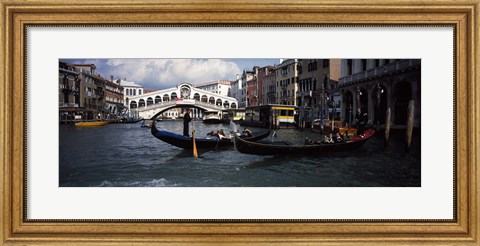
pixel 240 122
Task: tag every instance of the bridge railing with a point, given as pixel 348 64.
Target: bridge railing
pixel 179 102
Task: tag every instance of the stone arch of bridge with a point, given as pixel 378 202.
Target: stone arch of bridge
pixel 177 106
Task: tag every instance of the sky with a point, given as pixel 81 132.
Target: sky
pixel 160 74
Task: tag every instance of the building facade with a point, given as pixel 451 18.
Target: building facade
pixel 221 87
pixel 373 85
pixel 114 99
pixel 92 92
pixel 317 80
pixel 69 92
pixel 261 93
pixel 286 76
pixel 269 88
pixel 239 88
pixel 252 88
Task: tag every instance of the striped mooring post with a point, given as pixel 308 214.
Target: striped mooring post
pixel 387 126
pixel 409 132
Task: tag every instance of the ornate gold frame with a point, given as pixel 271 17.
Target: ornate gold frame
pixel 463 14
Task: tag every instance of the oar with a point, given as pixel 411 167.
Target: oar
pixel 195 153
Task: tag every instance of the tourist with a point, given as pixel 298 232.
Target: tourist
pixel 221 134
pixel 186 121
pixel 328 139
pixel 338 138
pixel 246 132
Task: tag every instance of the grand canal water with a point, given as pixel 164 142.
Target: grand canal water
pixel 126 155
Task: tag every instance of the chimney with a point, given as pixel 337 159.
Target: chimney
pixel 119 81
pixel 111 78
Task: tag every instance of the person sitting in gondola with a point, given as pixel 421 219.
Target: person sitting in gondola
pixel 211 135
pixel 221 134
pixel 308 141
pixel 328 139
pixel 246 132
pixel 338 138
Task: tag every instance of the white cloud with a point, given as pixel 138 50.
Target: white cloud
pixel 165 73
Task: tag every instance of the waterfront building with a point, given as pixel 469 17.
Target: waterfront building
pixel 114 98
pixel 260 97
pixel 236 89
pixel 377 84
pixel 252 89
pixel 92 92
pixel 269 88
pixel 69 92
pixel 130 89
pixel 239 88
pixel 221 87
pixel 317 80
pixel 255 92
pixel 286 76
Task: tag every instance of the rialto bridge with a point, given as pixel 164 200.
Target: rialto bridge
pixel 150 105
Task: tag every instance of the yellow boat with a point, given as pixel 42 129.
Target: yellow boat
pixel 91 123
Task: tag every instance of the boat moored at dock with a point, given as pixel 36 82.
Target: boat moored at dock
pixel 271 115
pixel 91 123
pixel 212 117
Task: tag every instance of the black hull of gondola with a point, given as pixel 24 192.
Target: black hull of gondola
pixel 201 143
pixel 281 148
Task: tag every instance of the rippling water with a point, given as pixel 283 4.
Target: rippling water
pixel 126 155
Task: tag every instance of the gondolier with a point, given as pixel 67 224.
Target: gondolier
pixel 186 121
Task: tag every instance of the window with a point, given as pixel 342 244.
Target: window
pixel 312 65
pixel 326 63
pixel 349 66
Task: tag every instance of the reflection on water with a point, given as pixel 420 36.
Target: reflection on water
pixel 125 155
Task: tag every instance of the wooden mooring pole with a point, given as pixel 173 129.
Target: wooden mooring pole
pixel 409 132
pixel 387 126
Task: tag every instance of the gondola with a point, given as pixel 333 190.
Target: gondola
pixel 284 148
pixel 201 143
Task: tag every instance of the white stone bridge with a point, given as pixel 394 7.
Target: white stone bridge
pixel 150 105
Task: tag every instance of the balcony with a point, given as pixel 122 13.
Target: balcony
pixel 68 88
pixel 67 105
pixel 389 68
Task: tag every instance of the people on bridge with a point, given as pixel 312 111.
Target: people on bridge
pixel 186 121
